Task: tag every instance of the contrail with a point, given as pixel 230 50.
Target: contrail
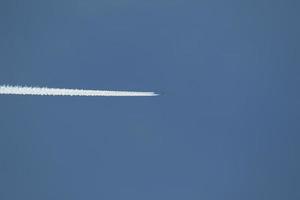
pixel 44 91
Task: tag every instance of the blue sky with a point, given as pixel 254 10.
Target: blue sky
pixel 226 126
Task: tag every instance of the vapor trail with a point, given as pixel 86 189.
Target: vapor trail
pixel 21 90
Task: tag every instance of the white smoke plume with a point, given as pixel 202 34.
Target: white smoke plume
pixel 44 91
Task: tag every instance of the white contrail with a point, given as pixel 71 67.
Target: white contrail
pixel 22 90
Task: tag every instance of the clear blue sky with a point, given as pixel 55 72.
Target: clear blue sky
pixel 227 126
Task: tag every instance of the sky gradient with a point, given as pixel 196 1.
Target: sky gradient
pixel 226 127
